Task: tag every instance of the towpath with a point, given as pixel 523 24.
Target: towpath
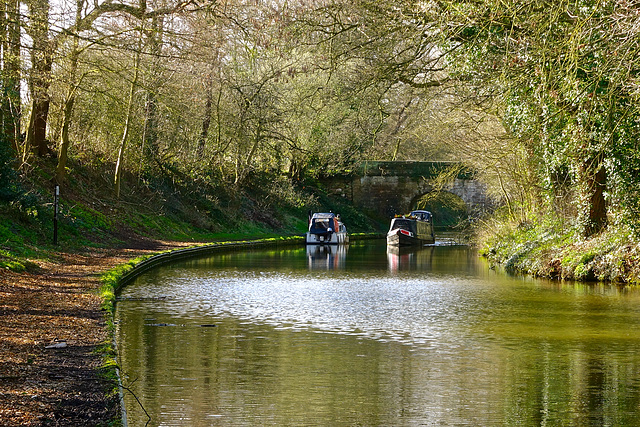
pixel 58 303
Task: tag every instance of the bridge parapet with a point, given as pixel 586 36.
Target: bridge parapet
pixel 427 170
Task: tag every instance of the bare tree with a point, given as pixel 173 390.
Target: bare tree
pixel 117 180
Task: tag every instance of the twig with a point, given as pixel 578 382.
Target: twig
pixel 139 403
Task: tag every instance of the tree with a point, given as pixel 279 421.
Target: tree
pixel 564 75
pixel 10 72
pixel 73 82
pixel 41 54
pixel 117 180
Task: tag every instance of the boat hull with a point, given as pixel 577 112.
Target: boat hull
pixel 396 238
pixel 326 239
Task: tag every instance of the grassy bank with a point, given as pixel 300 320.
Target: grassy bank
pixel 552 250
pixel 163 207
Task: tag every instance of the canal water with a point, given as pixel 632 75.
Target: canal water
pixel 362 336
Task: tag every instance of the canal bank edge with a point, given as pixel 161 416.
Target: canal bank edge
pixel 542 251
pixel 115 279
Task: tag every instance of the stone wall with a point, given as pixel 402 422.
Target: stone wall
pixel 389 194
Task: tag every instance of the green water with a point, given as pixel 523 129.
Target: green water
pixel 366 337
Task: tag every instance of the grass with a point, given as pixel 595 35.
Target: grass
pixel 109 368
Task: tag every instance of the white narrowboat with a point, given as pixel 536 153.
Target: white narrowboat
pixel 326 229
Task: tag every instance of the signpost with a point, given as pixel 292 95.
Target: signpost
pixel 56 197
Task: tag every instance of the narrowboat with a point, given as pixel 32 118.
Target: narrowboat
pixel 326 229
pixel 413 229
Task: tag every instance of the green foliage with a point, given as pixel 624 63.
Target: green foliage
pixel 575 263
pixel 10 263
pixel 561 74
pixel 23 227
pixel 448 209
pixel 519 244
pixel 9 188
pixel 83 224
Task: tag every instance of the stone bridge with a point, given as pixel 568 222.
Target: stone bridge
pixel 390 188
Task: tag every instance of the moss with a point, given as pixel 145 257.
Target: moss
pixel 15 266
pixel 111 281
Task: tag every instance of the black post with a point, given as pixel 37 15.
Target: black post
pixel 56 196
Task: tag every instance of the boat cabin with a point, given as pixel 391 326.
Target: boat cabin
pixel 421 215
pixel 323 223
pixel 404 224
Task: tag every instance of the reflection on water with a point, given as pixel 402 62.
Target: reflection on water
pixel 326 257
pixel 366 336
pixel 404 258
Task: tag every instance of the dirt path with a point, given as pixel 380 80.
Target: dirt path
pixel 58 387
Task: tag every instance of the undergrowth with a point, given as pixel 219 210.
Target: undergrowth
pixel 544 248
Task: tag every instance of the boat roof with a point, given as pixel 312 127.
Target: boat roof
pixel 323 215
pixel 421 212
pixel 402 218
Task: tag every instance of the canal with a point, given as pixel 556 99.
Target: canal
pixel 360 336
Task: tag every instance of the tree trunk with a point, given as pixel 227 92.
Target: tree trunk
pixel 63 152
pixel 402 117
pixel 10 73
pixel 206 121
pixel 243 169
pixel 37 130
pixel 150 137
pixel 127 124
pixel 41 61
pixel 593 206
pixel 3 47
